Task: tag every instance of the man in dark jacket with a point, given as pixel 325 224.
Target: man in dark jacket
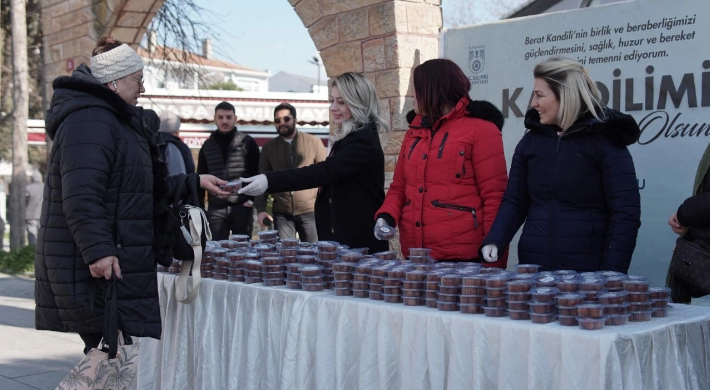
pixel 292 210
pixel 229 154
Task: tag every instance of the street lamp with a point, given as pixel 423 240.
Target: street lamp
pixel 316 61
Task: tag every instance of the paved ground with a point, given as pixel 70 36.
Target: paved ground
pixel 30 359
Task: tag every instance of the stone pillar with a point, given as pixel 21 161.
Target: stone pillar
pixel 72 28
pixel 383 40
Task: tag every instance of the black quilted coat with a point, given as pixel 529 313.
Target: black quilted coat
pixel 98 201
pixel 577 194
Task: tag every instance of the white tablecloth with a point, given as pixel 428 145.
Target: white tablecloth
pixel 238 336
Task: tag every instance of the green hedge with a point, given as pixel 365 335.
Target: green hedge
pixel 19 260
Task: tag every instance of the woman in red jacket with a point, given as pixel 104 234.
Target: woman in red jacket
pixel 450 175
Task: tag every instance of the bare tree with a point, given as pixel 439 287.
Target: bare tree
pixel 20 96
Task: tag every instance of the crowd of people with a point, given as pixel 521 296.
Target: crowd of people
pixel 114 168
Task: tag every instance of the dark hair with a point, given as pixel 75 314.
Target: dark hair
pixel 106 44
pixel 225 106
pixel 286 106
pixel 439 85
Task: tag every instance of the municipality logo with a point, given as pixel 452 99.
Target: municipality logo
pixel 476 58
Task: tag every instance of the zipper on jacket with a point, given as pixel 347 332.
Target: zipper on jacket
pixel 471 210
pixel 557 148
pixel 443 142
pixel 411 148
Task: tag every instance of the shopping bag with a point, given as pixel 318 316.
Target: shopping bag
pixel 114 365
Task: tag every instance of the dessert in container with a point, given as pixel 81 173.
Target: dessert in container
pixel 590 311
pixel 273 275
pixel 449 289
pixel 660 312
pixel 546 281
pixel 494 311
pixel 660 292
pixel 640 316
pixel 527 268
pixel 306 259
pixel 361 285
pixel 612 298
pixel 311 270
pixel 386 255
pixel 513 305
pixel 351 256
pixel 635 297
pixel 570 299
pixel 414 293
pixel 376 287
pixel 518 314
pixel 616 319
pixel 376 295
pixel 415 276
pixel 235 278
pixel 220 276
pixel 343 291
pixel 385 232
pixel 412 301
pixel 361 278
pixel 312 286
pixel 591 323
pixel 521 286
pixel 420 259
pixel 568 285
pixel 588 285
pixel 413 285
pixel 327 246
pixel 496 302
pixel 431 303
pixel 542 307
pixel 497 281
pixel 344 267
pixel 447 306
pixel 640 306
pixel 238 237
pixel 563 273
pixel 312 279
pixel 634 285
pixel 429 294
pixel 472 299
pixel 496 292
pixel 288 251
pixel 637 277
pixel 274 282
pixel 544 294
pixel 448 297
pixel 419 252
pixel 342 284
pixel 472 290
pixel 518 296
pixel 342 276
pixel 358 293
pixel 471 308
pixel 392 298
pixel 452 280
pixel 397 273
pixel 660 303
pixel 617 309
pixel 542 318
pixel 478 280
pixel 591 296
pixel 331 256
pixel 392 290
pixel 569 311
pixel 567 320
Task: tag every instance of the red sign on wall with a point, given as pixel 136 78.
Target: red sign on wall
pixel 70 65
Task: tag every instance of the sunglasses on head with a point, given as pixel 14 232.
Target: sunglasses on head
pixel 285 119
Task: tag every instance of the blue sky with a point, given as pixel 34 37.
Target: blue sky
pixel 267 34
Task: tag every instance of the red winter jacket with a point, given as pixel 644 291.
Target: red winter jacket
pixel 449 182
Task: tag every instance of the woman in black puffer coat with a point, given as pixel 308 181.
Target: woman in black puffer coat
pixel 572 179
pixel 105 207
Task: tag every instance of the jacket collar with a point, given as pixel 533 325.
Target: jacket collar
pixel 620 128
pixel 472 108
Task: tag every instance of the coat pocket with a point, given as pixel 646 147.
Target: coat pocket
pixel 452 206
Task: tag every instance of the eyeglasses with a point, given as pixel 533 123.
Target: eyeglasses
pixel 286 119
pixel 139 81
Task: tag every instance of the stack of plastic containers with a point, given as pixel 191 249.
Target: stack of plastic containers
pixel 639 299
pixel 615 307
pixel 591 287
pixel 591 316
pixel 496 290
pixel 293 275
pixel 273 273
pixel 221 267
pixel 449 292
pixel 343 278
pixel 473 293
pixel 413 287
pixel 392 288
pixel 518 298
pixel 252 271
pixel 236 266
pixel 420 255
pixel 312 277
pixel 268 237
pixel 567 307
pixel 660 297
pixel 209 265
pixel 542 307
pixel 327 254
pixel 431 293
pixel 377 281
pixel 361 278
pixel 289 250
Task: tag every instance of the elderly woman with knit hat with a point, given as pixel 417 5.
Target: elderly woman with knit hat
pixel 105 202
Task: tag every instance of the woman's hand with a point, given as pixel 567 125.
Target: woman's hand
pixel 212 185
pixel 675 225
pixel 490 253
pixel 104 266
pixel 257 185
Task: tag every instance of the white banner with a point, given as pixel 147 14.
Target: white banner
pixel 649 59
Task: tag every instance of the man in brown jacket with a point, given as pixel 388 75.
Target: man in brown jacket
pixel 292 211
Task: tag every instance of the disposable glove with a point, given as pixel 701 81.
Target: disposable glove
pixel 257 185
pixel 490 253
pixel 383 231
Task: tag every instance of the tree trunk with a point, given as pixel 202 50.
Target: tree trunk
pixel 20 96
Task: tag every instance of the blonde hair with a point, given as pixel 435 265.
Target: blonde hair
pixel 573 88
pixel 360 97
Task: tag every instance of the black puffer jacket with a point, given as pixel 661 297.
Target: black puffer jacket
pixel 98 202
pixel 577 194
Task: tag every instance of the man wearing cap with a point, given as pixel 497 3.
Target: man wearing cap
pixel 176 153
pixel 229 154
pixel 292 211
